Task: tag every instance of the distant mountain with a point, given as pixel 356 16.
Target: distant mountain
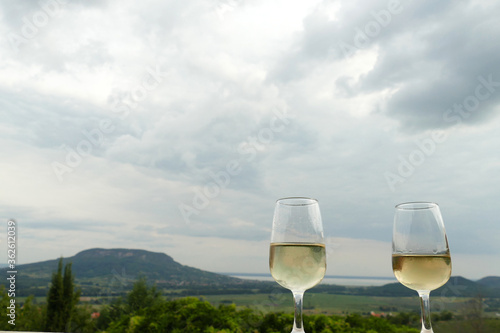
pixel 113 271
pixel 456 286
pixel 490 281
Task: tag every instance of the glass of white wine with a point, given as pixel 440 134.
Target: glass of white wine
pixel 297 256
pixel 420 254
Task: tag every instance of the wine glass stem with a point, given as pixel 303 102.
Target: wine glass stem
pixel 298 326
pixel 426 311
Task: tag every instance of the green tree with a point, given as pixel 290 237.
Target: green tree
pixel 126 313
pixel 53 320
pixel 144 311
pixel 81 320
pixel 141 296
pixel 111 313
pixel 4 305
pixel 30 316
pixel 70 296
pixel 61 299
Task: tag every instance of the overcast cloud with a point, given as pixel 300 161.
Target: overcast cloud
pixel 174 126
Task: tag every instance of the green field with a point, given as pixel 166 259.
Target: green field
pixel 334 304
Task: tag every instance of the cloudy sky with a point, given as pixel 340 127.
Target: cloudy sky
pixel 173 126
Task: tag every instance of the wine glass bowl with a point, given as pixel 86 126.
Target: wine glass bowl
pixel 297 266
pixel 420 253
pixel 297 255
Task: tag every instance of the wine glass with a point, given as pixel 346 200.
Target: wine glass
pixel 420 254
pixel 297 256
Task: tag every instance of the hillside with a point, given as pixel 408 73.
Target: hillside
pixel 490 281
pixel 457 286
pixel 113 271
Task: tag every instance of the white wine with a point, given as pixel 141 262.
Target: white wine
pixel 297 266
pixel 422 272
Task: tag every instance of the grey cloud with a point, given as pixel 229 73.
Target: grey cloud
pixel 208 228
pixel 441 67
pixel 43 121
pixel 432 54
pixel 67 225
pixel 12 12
pixel 198 146
pixel 39 35
pixel 322 38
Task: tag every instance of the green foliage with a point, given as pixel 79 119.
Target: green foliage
pixel 4 304
pixel 183 315
pixel 81 320
pixel 70 296
pixel 411 319
pixel 143 310
pixel 443 316
pixel 54 319
pixel 375 324
pixel 326 324
pixel 61 299
pixel 141 296
pixel 30 316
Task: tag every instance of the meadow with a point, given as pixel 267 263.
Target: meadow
pixel 329 304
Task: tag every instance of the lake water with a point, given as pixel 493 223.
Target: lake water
pixel 329 279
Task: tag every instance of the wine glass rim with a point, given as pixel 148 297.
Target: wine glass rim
pixel 416 205
pixel 297 201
